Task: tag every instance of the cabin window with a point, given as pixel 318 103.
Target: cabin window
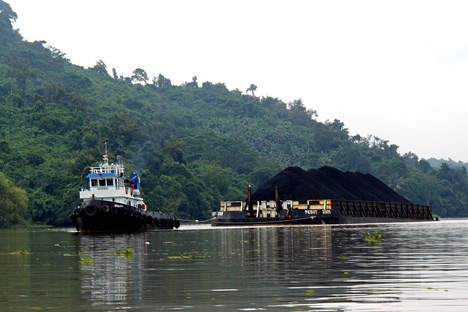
pixel 314 202
pixel 303 202
pixel 93 182
pixel 102 182
pixel 110 182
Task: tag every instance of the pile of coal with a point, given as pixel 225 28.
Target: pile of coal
pixel 294 183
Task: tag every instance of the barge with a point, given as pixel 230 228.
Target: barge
pixel 316 197
pixel 326 211
pixel 114 203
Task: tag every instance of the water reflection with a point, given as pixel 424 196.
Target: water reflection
pixel 197 268
pixel 416 267
pixel 277 250
pixel 107 279
pixel 274 268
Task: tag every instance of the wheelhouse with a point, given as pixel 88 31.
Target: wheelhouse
pixel 108 182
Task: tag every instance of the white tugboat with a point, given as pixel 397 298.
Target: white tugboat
pixel 114 203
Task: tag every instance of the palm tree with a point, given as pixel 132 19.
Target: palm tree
pixel 252 88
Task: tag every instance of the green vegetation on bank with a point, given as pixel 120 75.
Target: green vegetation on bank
pixel 193 144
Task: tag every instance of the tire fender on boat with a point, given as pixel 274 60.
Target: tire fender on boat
pixel 105 208
pixel 90 211
pixel 114 209
pixel 156 222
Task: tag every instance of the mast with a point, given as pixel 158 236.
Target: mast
pixel 105 157
pixel 249 202
pixel 277 200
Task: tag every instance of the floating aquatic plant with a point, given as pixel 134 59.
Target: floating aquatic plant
pixel 374 237
pixel 20 252
pixel 122 251
pixel 86 260
pixel 182 257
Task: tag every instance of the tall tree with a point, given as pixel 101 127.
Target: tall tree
pixel 18 71
pixel 100 67
pixel 114 74
pixel 252 89
pixel 139 75
pixel 55 53
pixel 193 83
pixel 161 82
pixel 7 15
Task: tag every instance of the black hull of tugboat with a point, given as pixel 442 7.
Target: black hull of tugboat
pixel 338 215
pixel 107 216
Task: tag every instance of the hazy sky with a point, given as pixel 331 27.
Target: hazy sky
pixel 394 69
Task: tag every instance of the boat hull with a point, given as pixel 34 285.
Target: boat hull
pixel 108 216
pixel 342 212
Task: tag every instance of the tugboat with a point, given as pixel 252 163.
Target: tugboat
pixel 114 203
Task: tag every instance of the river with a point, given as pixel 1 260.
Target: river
pixel 420 266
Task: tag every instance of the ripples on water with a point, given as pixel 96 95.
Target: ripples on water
pixel 416 267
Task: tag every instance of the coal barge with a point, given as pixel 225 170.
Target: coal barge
pixel 320 196
pixel 114 203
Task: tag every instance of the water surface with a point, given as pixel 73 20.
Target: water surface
pixel 417 267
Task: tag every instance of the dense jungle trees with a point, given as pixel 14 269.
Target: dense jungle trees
pixel 13 203
pixel 193 144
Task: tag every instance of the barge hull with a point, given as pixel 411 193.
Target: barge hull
pixel 339 212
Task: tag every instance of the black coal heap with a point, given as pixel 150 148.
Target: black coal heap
pixel 326 183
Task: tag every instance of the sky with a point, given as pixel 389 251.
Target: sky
pixel 395 69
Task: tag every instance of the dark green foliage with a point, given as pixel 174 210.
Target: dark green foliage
pixel 193 144
pixel 13 203
pixel 436 163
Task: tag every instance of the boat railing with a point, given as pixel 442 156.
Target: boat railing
pixel 87 188
pixel 322 204
pixel 117 169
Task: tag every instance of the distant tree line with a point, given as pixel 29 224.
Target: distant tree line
pixel 194 144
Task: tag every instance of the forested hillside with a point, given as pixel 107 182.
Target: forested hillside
pixel 437 163
pixel 193 144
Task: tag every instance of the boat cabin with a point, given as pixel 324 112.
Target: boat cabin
pixel 108 182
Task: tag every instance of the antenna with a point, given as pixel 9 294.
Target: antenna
pixel 105 157
pixel 105 146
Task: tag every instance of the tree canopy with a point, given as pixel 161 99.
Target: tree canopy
pixel 7 15
pixel 13 203
pixel 194 144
